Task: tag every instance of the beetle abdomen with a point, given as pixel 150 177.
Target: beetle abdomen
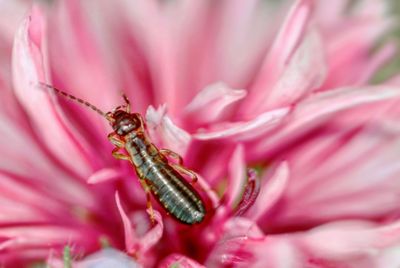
pixel 176 195
pixel 172 191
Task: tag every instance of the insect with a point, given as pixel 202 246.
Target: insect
pixel 155 172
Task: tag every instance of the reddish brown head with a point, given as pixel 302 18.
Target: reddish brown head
pixel 123 122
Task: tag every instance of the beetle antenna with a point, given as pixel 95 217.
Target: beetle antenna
pixel 73 98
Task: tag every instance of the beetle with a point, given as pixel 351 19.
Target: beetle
pixel 158 177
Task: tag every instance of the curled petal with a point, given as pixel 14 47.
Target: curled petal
pixel 239 179
pixel 210 104
pixel 250 193
pixel 272 189
pixel 130 236
pixel 133 243
pixel 154 235
pixel 163 130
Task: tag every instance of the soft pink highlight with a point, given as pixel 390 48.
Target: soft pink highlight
pixel 228 85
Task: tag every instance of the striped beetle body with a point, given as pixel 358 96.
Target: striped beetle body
pixel 173 192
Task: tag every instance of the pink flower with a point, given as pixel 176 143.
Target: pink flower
pixel 228 85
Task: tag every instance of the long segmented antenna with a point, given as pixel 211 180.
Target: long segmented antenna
pixel 75 99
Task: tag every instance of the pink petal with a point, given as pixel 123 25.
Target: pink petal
pixel 346 244
pixel 237 178
pixel 287 40
pixel 133 243
pixel 28 237
pixel 79 60
pixel 153 235
pixel 319 108
pixel 330 15
pixel 247 129
pixel 180 261
pixel 289 35
pixel 20 202
pixel 128 42
pixel 335 177
pixel 376 62
pixel 237 51
pixel 209 158
pixel 104 174
pixel 250 193
pixel 348 51
pixel 37 166
pixel 238 226
pixel 272 189
pixel 164 132
pixel 211 194
pixel 12 14
pixel 305 71
pixel 28 70
pixel 212 104
pixel 255 252
pixel 352 244
pixel 130 236
pixel 153 35
pixel 225 252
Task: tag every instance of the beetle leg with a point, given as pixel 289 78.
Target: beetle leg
pixel 120 155
pixel 119 143
pixel 116 140
pixel 146 189
pixel 169 153
pixel 187 172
